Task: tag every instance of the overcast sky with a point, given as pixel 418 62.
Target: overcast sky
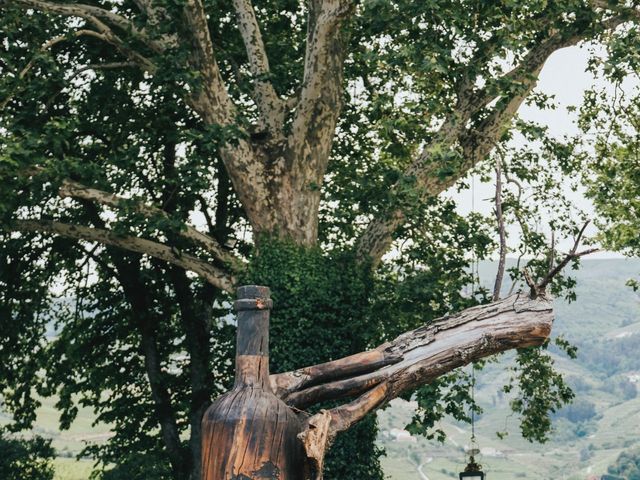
pixel 564 76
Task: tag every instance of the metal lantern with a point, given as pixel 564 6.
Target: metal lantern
pixel 473 471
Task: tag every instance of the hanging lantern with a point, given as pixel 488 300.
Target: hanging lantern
pixel 472 471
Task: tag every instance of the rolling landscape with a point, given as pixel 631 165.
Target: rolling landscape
pixel 604 421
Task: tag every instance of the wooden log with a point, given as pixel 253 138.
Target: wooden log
pixel 249 433
pixel 426 353
pixel 423 354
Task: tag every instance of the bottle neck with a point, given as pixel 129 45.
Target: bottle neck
pixel 252 341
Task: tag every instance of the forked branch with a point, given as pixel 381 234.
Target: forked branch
pixel 270 105
pixel 210 273
pixel 413 359
pixel 539 288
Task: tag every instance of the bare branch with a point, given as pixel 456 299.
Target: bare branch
pixel 211 274
pixel 538 289
pixel 284 384
pixel 573 254
pixel 270 105
pixel 77 190
pixel 501 231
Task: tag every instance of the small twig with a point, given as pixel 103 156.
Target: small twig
pixel 529 280
pixel 515 282
pixel 539 289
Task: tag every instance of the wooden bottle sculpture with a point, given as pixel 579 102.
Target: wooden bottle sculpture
pixel 249 433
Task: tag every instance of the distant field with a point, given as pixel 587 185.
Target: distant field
pixel 70 469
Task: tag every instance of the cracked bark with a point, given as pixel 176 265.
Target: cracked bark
pixel 373 378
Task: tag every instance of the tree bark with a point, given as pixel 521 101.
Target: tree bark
pixel 243 422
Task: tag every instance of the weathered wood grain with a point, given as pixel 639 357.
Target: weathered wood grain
pixel 249 433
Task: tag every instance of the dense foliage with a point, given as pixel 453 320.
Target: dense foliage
pixel 148 345
pixel 22 459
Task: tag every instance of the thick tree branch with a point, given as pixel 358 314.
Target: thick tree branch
pixel 427 353
pixel 270 105
pixel 210 273
pixel 320 100
pixel 285 384
pixel 212 100
pixel 73 189
pixel 214 105
pixel 514 322
pixel 433 173
pixel 147 322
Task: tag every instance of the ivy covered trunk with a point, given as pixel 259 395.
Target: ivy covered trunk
pixel 249 433
pixel 320 313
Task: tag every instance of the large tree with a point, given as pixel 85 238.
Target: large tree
pixel 305 141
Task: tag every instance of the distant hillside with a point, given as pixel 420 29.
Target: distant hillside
pixel 604 323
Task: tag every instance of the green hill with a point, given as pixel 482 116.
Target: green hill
pixel 604 323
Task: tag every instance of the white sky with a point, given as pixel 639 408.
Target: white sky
pixel 564 76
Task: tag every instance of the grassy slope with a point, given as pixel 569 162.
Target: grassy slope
pixel 605 309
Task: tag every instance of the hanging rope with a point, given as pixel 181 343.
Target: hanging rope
pixel 473 410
